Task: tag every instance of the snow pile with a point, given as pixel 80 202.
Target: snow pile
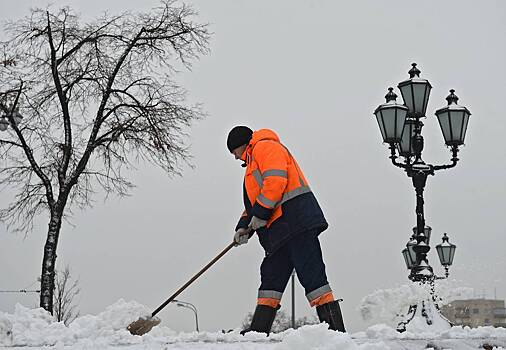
pixel 30 327
pixel 389 305
pixel 318 337
pixel 161 335
pixel 488 332
pixel 385 332
pixel 448 291
pixel 113 320
pixel 418 324
pixel 36 327
pixel 379 331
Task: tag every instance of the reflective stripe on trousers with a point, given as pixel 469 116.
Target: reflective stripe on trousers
pixel 269 294
pixel 318 292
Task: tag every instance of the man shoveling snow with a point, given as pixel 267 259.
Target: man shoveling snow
pixel 287 218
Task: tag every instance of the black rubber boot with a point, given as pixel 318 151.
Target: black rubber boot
pixel 262 319
pixel 331 314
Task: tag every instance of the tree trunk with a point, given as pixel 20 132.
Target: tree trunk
pixel 49 262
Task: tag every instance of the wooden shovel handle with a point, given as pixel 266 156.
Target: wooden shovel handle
pixel 173 296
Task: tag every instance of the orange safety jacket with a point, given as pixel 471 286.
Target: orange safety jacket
pixel 272 176
pixel 276 190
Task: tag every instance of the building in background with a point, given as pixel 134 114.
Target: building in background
pixel 476 312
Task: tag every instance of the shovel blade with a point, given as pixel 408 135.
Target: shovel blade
pixel 143 325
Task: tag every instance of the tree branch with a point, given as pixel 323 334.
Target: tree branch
pixel 11 143
pixel 67 150
pixel 99 116
pixel 28 152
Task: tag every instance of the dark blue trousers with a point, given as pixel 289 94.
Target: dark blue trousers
pixel 302 253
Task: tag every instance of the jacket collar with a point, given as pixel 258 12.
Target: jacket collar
pixel 259 135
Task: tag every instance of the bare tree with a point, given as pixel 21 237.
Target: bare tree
pixel 66 290
pixel 96 98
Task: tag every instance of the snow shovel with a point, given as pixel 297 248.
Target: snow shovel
pixel 144 325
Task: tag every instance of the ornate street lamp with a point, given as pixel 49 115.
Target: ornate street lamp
pixel 409 143
pixel 407 258
pixel 411 251
pixel 446 252
pixel 391 117
pixel 415 92
pixel 453 120
pixel 405 147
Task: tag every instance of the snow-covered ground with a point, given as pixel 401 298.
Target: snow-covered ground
pixel 36 329
pixel 388 305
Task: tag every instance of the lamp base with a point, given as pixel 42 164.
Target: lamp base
pixel 424 317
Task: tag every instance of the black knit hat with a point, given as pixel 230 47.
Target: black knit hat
pixel 238 136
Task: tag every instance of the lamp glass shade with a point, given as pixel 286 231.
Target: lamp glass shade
pixel 3 124
pixel 411 251
pixel 391 117
pixel 405 147
pixel 407 258
pixel 446 251
pixel 453 120
pixel 415 93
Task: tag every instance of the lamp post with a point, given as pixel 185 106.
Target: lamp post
pixel 401 128
pixel 190 306
pixel 293 299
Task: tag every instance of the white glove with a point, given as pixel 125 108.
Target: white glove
pixel 241 236
pixel 256 223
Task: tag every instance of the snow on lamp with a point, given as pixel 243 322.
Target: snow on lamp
pixel 427 232
pixel 391 117
pixel 453 120
pixel 415 92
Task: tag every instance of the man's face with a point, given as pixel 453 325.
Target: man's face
pixel 237 152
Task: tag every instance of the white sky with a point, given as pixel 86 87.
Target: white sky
pixel 313 71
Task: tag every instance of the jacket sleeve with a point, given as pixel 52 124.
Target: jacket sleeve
pixel 272 160
pixel 243 221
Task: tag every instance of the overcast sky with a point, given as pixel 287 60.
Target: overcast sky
pixel 313 71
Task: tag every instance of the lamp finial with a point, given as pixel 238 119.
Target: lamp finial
pixel 391 95
pixel 414 71
pixel 452 98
